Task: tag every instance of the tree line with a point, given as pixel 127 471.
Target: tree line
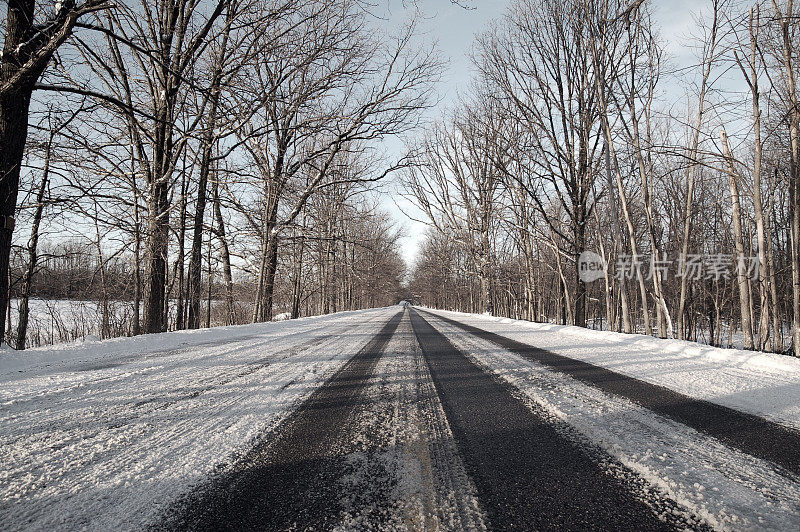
pixel 204 151
pixel 581 134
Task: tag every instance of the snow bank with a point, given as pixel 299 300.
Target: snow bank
pixel 91 350
pixel 763 384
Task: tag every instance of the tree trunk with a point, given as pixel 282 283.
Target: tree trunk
pixel 27 278
pixel 269 257
pixel 225 251
pixel 617 237
pixel 580 286
pixel 777 336
pixel 794 170
pixel 298 271
pixel 194 284
pixel 210 282
pixel 631 238
pixel 158 203
pixel 14 107
pixel 270 268
pixel 156 249
pixel 137 270
pixel 485 300
pixel 180 318
pixel 765 277
pixel 104 325
pixel 741 270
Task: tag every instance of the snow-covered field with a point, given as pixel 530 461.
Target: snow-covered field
pixel 58 321
pixel 53 321
pixel 102 435
pixel 730 335
pixel 764 384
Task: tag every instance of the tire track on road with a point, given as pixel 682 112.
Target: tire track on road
pixel 528 474
pixel 289 480
pixel 751 434
pixel 406 471
pixel 711 483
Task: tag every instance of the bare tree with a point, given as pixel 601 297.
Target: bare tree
pixel 26 283
pixel 708 57
pixel 741 271
pixel 456 183
pixel 328 89
pixel 28 48
pixel 540 63
pixel 787 53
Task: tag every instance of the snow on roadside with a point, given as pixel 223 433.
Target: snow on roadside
pixel 727 489
pixel 763 384
pixel 103 435
pixel 92 351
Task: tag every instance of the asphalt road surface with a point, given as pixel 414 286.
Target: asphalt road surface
pixel 414 433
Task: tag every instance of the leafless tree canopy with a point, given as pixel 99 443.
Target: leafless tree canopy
pixel 207 161
pixel 183 163
pixel 689 201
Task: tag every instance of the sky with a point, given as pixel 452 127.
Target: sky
pixel 453 29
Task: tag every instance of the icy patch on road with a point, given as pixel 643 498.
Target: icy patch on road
pixel 103 436
pixel 405 472
pixel 728 489
pixel 764 384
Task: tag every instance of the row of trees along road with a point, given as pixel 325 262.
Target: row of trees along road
pixel 204 151
pixel 580 133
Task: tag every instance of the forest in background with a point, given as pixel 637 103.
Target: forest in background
pixel 183 163
pixel 579 134
pixel 180 156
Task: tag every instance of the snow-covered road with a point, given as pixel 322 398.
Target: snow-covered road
pixel 388 418
pixel 723 487
pixel 107 437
